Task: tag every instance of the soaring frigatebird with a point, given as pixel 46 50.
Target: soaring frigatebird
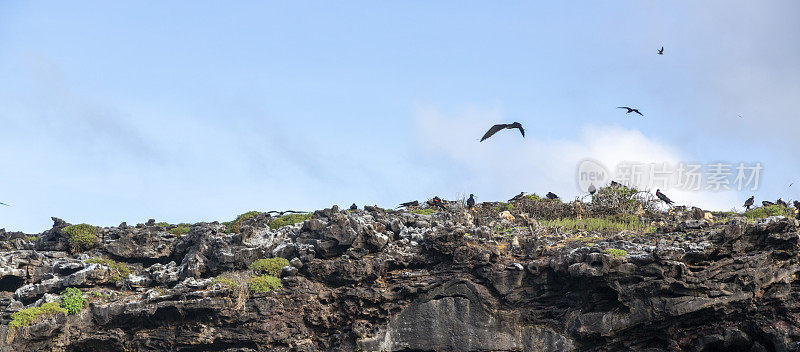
pixel 630 110
pixel 661 51
pixel 501 126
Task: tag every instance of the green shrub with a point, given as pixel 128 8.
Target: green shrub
pixel 28 316
pixel 269 266
pixel 180 230
pixel 72 300
pixel 81 236
pixel 265 283
pixel 533 197
pixel 119 271
pixel 765 212
pixel 235 225
pixel 427 211
pixel 615 252
pixel 162 224
pixel 31 238
pixel 289 219
pixel 600 224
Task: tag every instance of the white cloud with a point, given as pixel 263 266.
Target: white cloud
pixel 507 164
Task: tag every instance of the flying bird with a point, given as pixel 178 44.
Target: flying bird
pixel 354 207
pixel 767 203
pixel 661 51
pixel 470 201
pixel 592 189
pixel 280 213
pixel 551 195
pixel 749 202
pixel 409 204
pixel 630 110
pixel 5 204
pixel 501 126
pixel 663 197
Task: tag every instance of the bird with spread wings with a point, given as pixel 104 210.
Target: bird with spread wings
pixel 501 126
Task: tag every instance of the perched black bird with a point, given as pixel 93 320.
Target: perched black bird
pixel 796 204
pixel 630 110
pixel 470 201
pixel 501 126
pixel 354 207
pixel 436 202
pixel 767 203
pixel 409 204
pixel 749 202
pixel 592 189
pixel 551 195
pixel 781 202
pixel 518 197
pixel 615 184
pixel 663 197
pixel 661 51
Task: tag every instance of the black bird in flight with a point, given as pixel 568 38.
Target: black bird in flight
pixel 661 51
pixel 501 126
pixel 663 197
pixel 280 213
pixel 470 201
pixel 630 110
pixel 767 203
pixel 354 207
pixel 5 204
pixel 409 204
pixel 551 195
pixel 749 202
pixel 592 189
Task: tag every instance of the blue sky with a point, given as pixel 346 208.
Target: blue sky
pixel 197 111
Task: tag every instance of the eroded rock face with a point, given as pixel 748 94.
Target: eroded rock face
pixel 377 280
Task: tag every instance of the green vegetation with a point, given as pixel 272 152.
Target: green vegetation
pixel 81 236
pixel 765 212
pixel 269 266
pixel 31 238
pixel 505 206
pixel 615 252
pixel 31 315
pixel 289 219
pixel 72 300
pixel 265 283
pixel 235 225
pixel 604 224
pixel 162 224
pixel 427 211
pixel 180 230
pixel 120 271
pixel 226 281
pixel 533 197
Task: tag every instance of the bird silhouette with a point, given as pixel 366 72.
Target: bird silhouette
pixel 615 184
pixel 5 204
pixel 661 51
pixel 409 204
pixel 470 201
pixel 551 195
pixel 501 126
pixel 592 189
pixel 781 202
pixel 796 204
pixel 663 197
pixel 436 202
pixel 767 203
pixel 354 207
pixel 749 202
pixel 517 197
pixel 280 213
pixel 630 110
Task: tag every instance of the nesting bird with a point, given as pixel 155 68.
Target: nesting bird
pixel 409 204
pixel 663 197
pixel 518 197
pixel 551 195
pixel 781 202
pixel 767 203
pixel 470 201
pixel 436 202
pixel 354 207
pixel 749 202
pixel 501 126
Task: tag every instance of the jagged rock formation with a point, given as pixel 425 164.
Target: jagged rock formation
pixel 377 280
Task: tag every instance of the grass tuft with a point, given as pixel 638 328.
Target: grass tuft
pixel 31 315
pixel 81 236
pixel 235 225
pixel 289 219
pixel 765 212
pixel 120 271
pixel 265 283
pixel 616 252
pixel 269 266
pixel 423 211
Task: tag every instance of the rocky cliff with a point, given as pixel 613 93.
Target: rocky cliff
pixel 488 279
